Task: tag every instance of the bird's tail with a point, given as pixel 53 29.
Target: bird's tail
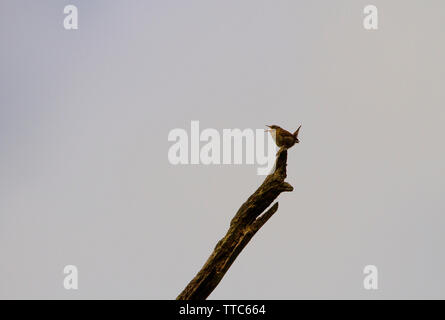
pixel 296 132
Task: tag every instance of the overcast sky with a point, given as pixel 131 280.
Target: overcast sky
pixel 85 115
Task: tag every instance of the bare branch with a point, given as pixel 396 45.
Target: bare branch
pixel 246 222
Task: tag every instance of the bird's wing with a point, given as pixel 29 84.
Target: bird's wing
pixel 287 138
pixel 287 134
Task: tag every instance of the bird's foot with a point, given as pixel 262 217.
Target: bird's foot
pixel 281 150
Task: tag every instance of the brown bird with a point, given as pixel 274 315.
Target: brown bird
pixel 283 138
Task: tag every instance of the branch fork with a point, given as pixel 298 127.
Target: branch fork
pixel 251 216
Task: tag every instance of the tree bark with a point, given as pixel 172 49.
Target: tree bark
pixel 246 222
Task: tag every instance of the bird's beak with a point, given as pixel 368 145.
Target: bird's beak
pixel 267 130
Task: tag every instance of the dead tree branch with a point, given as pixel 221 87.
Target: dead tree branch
pixel 246 222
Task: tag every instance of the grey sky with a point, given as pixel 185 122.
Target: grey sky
pixel 84 119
